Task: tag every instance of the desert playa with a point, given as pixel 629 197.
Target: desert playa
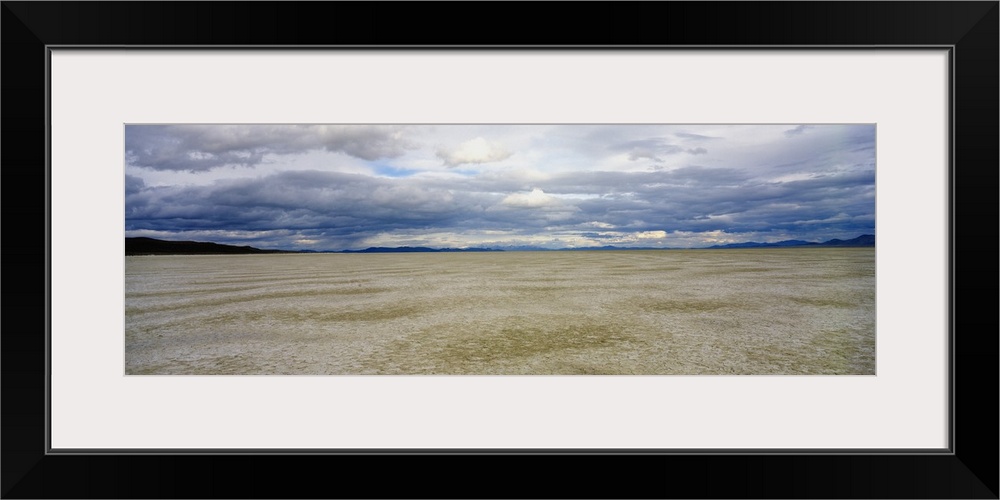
pixel 785 311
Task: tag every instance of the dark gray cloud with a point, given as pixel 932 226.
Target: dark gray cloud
pixel 203 147
pixel 345 209
pixel 819 186
pixel 133 184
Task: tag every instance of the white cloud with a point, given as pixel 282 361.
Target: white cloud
pixel 477 150
pixel 620 237
pixel 651 235
pixel 536 198
pixel 797 130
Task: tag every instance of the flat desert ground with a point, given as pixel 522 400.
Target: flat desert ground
pixel 782 311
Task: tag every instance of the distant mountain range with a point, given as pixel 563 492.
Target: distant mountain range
pixel 417 249
pixel 528 248
pixel 865 240
pixel 151 246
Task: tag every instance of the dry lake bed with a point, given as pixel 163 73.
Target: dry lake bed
pixel 788 311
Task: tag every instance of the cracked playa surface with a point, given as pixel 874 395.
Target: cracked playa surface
pixel 686 312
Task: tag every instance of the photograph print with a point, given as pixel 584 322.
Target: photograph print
pixel 499 249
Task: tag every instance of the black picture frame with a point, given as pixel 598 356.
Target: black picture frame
pixel 968 470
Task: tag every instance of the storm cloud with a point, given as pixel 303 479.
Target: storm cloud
pixel 204 147
pixel 333 187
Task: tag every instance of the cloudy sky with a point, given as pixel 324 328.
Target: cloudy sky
pixel 334 187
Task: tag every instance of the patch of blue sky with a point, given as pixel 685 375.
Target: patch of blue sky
pixel 387 171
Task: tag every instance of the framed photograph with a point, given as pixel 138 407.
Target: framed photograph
pixel 725 253
pixel 500 249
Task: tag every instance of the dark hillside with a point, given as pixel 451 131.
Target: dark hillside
pixel 151 246
pixel 865 240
